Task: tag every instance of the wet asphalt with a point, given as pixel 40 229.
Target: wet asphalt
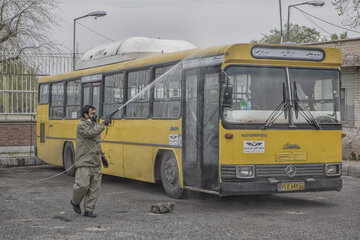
pixel 43 211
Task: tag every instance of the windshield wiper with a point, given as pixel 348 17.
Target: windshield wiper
pixel 279 110
pixel 303 112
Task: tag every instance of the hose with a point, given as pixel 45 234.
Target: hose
pixel 41 180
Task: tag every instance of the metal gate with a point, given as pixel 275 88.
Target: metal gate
pixel 18 78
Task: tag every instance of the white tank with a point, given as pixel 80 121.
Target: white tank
pixel 131 48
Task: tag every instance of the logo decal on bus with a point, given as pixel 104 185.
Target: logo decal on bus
pixel 291 171
pixel 174 128
pixel 254 146
pixel 291 146
pixel 175 139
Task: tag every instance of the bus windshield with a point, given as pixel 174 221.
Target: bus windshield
pixel 258 91
pixel 317 92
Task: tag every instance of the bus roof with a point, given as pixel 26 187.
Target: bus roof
pixel 242 55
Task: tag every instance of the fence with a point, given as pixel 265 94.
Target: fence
pixel 18 96
pixel 18 78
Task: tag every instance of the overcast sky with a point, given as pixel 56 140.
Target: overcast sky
pixel 201 22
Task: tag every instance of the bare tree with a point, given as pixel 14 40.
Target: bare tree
pixel 350 9
pixel 24 25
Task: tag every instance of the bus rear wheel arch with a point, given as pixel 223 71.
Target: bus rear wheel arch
pixel 170 177
pixel 69 158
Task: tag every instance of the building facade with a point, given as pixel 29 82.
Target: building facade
pixel 350 93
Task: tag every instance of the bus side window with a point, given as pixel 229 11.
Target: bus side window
pixel 44 94
pixel 167 92
pixel 57 101
pixel 113 94
pixel 73 96
pixel 86 96
pixel 137 82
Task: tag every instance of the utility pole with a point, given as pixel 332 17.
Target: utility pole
pixel 281 25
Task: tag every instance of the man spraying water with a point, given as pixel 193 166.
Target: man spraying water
pixel 88 158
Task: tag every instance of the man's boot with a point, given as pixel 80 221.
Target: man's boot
pixel 76 208
pixel 89 214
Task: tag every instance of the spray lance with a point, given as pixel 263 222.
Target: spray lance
pixel 111 115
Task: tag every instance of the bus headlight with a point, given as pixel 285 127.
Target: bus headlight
pixel 333 169
pixel 245 171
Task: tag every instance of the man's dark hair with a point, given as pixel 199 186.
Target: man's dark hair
pixel 86 109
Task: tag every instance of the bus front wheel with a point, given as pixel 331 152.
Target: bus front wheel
pixel 69 158
pixel 170 176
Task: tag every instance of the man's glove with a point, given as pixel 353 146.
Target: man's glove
pixel 94 119
pixel 107 121
pixel 104 162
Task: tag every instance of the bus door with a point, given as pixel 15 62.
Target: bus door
pixel 201 129
pixel 91 95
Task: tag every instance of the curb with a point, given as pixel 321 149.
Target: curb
pixel 19 161
pixel 349 170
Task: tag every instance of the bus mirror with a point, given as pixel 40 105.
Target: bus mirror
pixel 227 100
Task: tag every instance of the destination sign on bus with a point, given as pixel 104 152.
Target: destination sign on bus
pixel 92 78
pixel 203 62
pixel 290 53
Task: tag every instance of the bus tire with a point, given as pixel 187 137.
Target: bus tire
pixel 69 158
pixel 170 176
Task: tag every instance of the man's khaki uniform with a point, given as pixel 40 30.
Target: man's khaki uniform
pixel 87 164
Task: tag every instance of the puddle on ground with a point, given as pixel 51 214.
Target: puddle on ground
pixel 296 213
pixel 96 229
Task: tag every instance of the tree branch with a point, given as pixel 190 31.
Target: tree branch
pixel 3 5
pixel 25 23
pixel 17 56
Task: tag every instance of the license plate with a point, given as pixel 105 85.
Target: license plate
pixel 287 187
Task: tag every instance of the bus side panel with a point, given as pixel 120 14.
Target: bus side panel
pixel 141 137
pixel 54 152
pixel 59 132
pixel 114 155
pixel 138 162
pixel 48 149
pixel 41 131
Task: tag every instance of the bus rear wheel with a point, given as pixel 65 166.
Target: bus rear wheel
pixel 69 158
pixel 170 176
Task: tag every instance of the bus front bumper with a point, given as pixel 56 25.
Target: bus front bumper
pixel 266 187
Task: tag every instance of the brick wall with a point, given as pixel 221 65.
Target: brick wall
pixel 17 133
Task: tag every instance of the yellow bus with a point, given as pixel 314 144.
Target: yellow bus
pixel 238 119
